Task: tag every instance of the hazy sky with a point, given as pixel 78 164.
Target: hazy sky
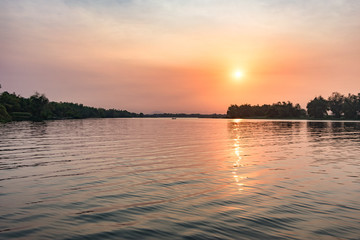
pixel 180 55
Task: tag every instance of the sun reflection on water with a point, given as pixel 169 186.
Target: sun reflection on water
pixel 237 165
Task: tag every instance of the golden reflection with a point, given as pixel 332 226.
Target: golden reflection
pixel 242 172
pixel 237 165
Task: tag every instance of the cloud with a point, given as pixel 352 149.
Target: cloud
pixel 162 53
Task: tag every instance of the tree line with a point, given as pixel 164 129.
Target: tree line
pixel 276 110
pixel 13 107
pixel 38 108
pixel 336 106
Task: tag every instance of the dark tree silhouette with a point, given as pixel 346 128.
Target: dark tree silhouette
pixel 351 106
pixel 317 108
pixel 276 110
pixel 38 104
pixel 336 101
pixel 38 108
pixel 4 115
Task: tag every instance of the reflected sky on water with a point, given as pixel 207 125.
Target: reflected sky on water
pixel 179 179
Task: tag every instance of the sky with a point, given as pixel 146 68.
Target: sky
pixel 180 55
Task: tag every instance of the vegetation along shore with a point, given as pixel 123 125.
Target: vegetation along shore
pixel 13 107
pixel 336 106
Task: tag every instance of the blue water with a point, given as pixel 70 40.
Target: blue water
pixel 179 179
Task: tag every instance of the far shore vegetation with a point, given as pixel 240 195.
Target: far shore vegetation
pixel 13 107
pixel 38 108
pixel 335 107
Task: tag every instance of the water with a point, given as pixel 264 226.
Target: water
pixel 179 179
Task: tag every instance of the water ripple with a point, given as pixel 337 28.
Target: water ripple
pixel 183 179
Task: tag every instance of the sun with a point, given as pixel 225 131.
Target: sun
pixel 238 74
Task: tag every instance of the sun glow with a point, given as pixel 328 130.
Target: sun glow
pixel 238 74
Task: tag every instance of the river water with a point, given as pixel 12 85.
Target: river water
pixel 179 179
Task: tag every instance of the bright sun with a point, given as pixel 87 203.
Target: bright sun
pixel 238 74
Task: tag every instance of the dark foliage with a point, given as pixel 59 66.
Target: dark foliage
pixel 336 104
pixel 351 106
pixel 276 110
pixel 339 107
pixel 4 115
pixel 38 108
pixel 318 107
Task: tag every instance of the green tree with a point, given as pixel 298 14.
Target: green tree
pixel 4 115
pixel 11 101
pixel 38 103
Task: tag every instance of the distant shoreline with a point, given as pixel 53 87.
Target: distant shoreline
pixel 38 108
pixel 194 117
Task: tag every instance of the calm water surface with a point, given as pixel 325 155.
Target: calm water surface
pixel 179 179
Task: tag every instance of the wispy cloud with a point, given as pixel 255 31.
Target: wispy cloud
pixel 78 49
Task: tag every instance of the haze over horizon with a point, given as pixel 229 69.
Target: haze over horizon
pixel 180 56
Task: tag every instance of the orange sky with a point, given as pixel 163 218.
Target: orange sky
pixel 179 56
